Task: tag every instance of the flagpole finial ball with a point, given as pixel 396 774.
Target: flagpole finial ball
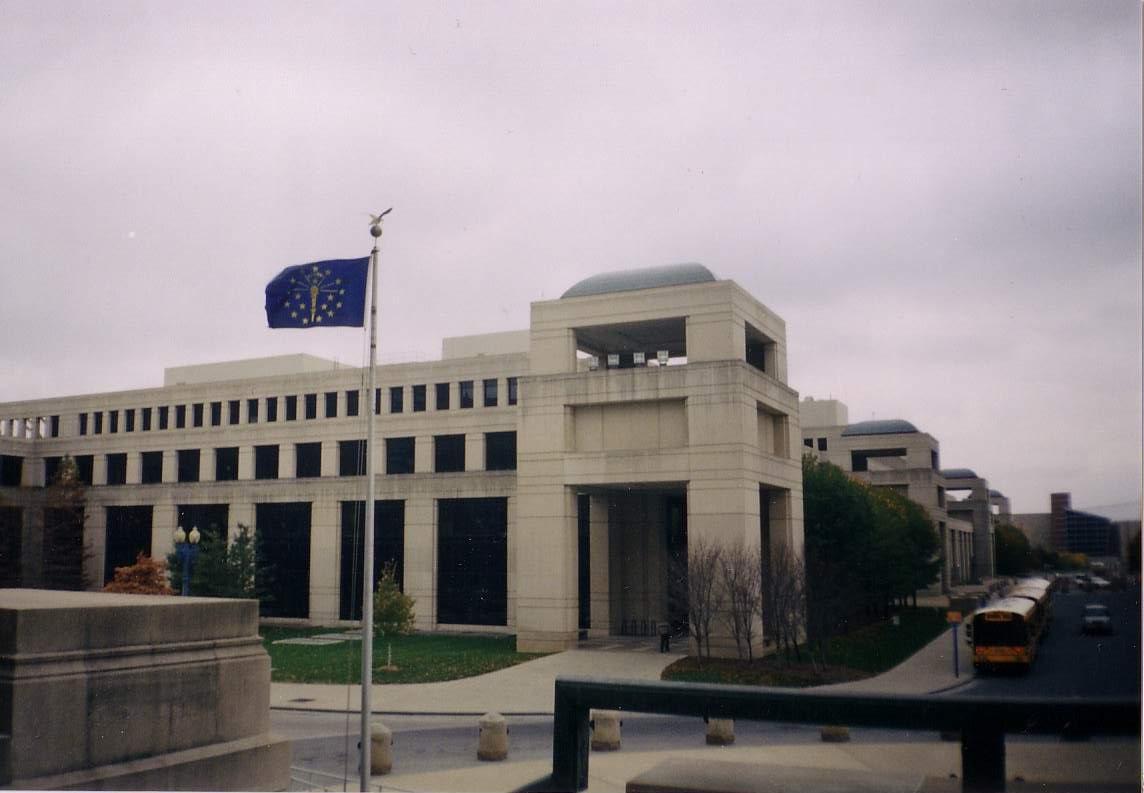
pixel 375 229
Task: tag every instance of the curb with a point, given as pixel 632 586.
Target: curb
pixel 477 713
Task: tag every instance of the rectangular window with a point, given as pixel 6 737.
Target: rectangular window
pixel 271 409
pixel 233 408
pixel 266 462
pixel 113 421
pixel 512 390
pixel 51 469
pixel 331 404
pixel 351 458
pixel 822 444
pixel 500 451
pixel 54 424
pixel 352 398
pixel 808 443
pixel 164 413
pixel 145 419
pixel 307 460
pixel 188 465
pixel 83 424
pixel 442 396
pixel 117 469
pixel 466 393
pixel 418 398
pixel 377 401
pixel 152 473
pixel 291 408
pixel 399 455
pixel 396 399
pixel 311 406
pixel 490 393
pixel 180 416
pixel 216 414
pixel 252 411
pixel 98 416
pixel 197 414
pixel 129 420
pixel 11 470
pixel 448 453
pixel 85 467
pixel 226 464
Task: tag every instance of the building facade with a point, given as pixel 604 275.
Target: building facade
pixel 542 482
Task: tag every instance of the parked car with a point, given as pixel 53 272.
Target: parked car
pixel 1097 619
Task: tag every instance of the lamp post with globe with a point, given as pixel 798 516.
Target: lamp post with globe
pixel 187 546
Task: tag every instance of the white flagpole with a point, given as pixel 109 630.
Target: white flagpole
pixel 367 533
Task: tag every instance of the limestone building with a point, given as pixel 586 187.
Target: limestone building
pixel 540 482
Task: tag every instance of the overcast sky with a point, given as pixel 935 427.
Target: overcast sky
pixel 941 199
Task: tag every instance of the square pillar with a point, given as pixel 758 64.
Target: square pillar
pixel 421 559
pixel 547 609
pixel 600 555
pixel 325 541
pixel 475 451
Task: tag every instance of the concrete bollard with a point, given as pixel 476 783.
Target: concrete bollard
pixel 492 737
pixel 605 730
pixel 380 749
pixel 835 734
pixel 720 732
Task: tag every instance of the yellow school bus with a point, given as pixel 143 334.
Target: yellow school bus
pixel 1005 634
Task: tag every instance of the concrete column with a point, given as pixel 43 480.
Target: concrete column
pixel 600 606
pixel 241 512
pixel 245 462
pixel 134 468
pixel 547 607
pixel 207 465
pixel 324 546
pixel 170 467
pixel 423 454
pixel 99 469
pixel 287 461
pixel 475 451
pixel 95 544
pixel 329 457
pixel 163 521
pixel 421 559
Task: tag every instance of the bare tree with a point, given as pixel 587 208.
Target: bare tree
pixel 742 587
pixel 783 601
pixel 704 591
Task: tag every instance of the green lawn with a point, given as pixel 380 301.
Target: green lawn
pixel 865 652
pixel 420 658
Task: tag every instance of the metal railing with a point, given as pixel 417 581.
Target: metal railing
pixel 982 723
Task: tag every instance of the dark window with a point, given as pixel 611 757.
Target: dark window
pixel 128 535
pixel 472 561
pixel 490 389
pixel 85 469
pixel 210 519
pixel 399 455
pixel 98 422
pixel 448 453
pixel 117 469
pixel 311 406
pixel 442 396
pixel 266 462
pixel 418 398
pixel 331 404
pixel 51 469
pixel 291 408
pixel 226 464
pixel 83 424
pixel 197 414
pixel 500 451
pixel 216 414
pixel 11 470
pixel 272 408
pixel 859 458
pixel 54 424
pixel 180 416
pixel 757 353
pixel 307 460
pixel 377 401
pixel 351 458
pixel 808 443
pixel 188 465
pixel 466 393
pixel 512 390
pixel 233 407
pixel 113 421
pixel 145 419
pixel 822 444
pixel 396 399
pixel 152 473
pixel 163 413
pixel 252 411
pixel 283 533
pixel 388 549
pixel 933 459
pixel 352 398
pixel 129 420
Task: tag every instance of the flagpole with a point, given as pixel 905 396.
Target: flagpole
pixel 367 534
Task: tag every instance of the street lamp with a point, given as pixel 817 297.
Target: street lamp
pixel 187 546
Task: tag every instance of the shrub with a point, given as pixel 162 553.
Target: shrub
pixel 392 608
pixel 146 577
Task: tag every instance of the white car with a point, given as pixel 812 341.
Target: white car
pixel 1097 619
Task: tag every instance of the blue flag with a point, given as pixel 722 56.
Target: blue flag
pixel 318 295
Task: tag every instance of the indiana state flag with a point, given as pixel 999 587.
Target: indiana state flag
pixel 318 295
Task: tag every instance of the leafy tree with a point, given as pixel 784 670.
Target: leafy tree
pixel 224 569
pixel 146 577
pixel 392 608
pixel 1014 555
pixel 65 554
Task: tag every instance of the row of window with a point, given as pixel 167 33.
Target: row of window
pixel 809 443
pixel 200 412
pixel 448 456
pixel 42 427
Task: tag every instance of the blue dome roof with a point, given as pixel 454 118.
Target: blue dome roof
pixel 881 427
pixel 646 278
pixel 958 473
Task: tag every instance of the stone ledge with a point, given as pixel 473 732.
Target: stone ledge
pixel 721 776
